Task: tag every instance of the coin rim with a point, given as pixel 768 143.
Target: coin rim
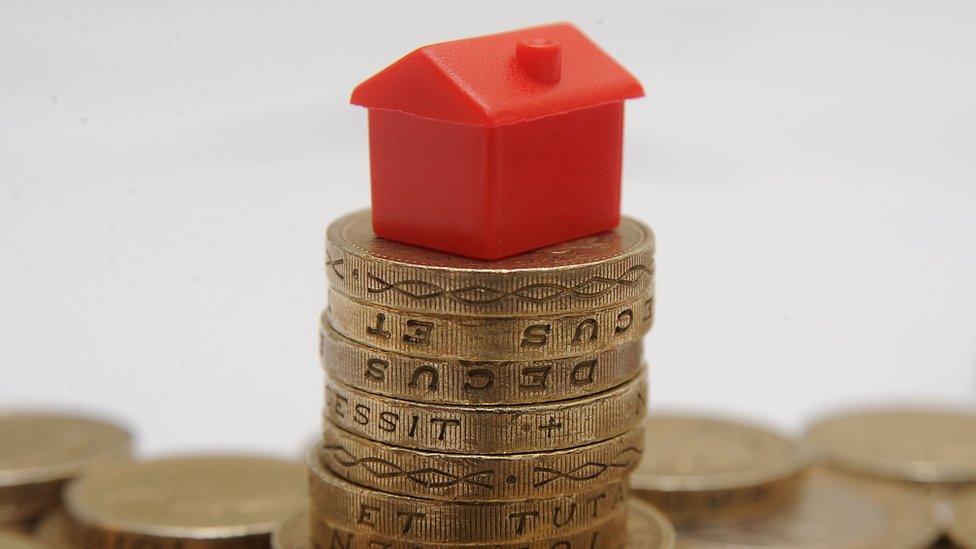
pixel 286 531
pixel 469 345
pixel 334 234
pixel 669 536
pixel 627 356
pixel 497 459
pixel 638 385
pixel 321 476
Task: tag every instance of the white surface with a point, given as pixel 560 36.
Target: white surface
pixel 167 170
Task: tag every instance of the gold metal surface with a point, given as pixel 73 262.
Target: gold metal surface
pixel 39 452
pixel 707 469
pixel 591 272
pixel 963 529
pixel 10 539
pixel 294 534
pixel 339 502
pixel 474 382
pixel 933 446
pixel 479 477
pixel 489 338
pixel 647 528
pixel 644 526
pixel 834 512
pixel 15 526
pixel 197 501
pixel 487 429
pixel 52 530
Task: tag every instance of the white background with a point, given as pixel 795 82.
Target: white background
pixel 167 170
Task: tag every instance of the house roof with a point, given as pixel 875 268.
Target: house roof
pixel 501 78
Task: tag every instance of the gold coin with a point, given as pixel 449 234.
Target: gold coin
pixel 294 534
pixel 479 477
pixel 338 502
pixel 592 272
pixel 466 382
pixel 835 512
pixel 15 540
pixel 647 528
pixel 963 529
pixel 196 501
pixel 904 444
pixel 487 429
pixel 709 469
pixel 489 338
pixel 40 452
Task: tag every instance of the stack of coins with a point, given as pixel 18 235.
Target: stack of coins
pixel 482 403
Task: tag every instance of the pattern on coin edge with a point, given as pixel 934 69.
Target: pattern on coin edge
pixel 522 293
pixel 396 471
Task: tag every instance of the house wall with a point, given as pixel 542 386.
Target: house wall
pixel 439 168
pixel 557 168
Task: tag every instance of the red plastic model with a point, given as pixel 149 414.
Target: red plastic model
pixel 491 146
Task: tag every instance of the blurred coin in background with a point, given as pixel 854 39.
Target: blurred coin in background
pixel 39 452
pixel 51 530
pixel 16 540
pixel 648 528
pixel 293 532
pixel 834 510
pixel 704 469
pixel 192 501
pixel 934 446
pixel 963 529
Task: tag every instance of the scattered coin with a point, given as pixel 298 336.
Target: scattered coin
pixel 930 446
pixel 707 469
pixel 588 273
pixel 648 528
pixel 834 511
pixel 40 452
pixel 963 529
pixel 198 501
pixel 293 533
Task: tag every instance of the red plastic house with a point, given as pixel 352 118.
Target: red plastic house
pixel 496 145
